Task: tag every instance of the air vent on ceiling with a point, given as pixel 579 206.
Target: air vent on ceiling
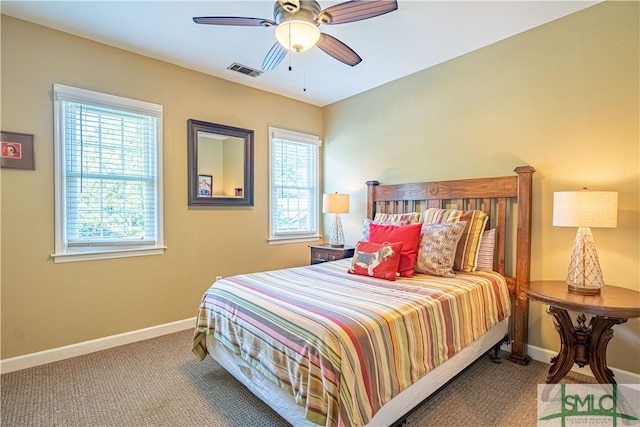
pixel 244 69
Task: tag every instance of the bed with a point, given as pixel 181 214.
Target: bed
pixel 324 346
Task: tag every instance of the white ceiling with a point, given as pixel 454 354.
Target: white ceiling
pixel 418 35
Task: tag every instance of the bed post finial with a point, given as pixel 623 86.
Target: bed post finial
pixel 523 266
pixel 371 204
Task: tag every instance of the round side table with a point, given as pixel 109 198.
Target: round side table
pixel 584 344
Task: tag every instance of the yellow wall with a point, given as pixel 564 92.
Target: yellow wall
pixel 562 97
pixel 47 305
pixel 233 158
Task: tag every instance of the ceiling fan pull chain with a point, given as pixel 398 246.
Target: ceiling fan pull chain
pixel 304 73
pixel 289 50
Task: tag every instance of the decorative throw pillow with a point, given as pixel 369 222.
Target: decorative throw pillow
pixel 486 250
pixel 408 234
pixel 364 234
pixel 467 251
pixel 379 260
pixel 437 250
pixel 396 218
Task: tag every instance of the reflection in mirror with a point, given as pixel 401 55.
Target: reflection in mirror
pixel 220 165
pixel 221 157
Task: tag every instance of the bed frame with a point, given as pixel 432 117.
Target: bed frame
pixel 496 197
pixel 507 201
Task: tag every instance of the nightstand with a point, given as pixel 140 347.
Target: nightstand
pixel 324 253
pixel 584 344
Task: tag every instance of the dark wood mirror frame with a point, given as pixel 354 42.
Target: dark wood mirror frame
pixel 246 199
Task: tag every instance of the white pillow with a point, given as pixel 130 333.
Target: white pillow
pixel 486 250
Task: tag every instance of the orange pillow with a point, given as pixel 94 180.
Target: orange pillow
pixel 376 260
pixel 408 235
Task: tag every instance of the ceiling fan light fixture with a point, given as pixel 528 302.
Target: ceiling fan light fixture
pixel 297 35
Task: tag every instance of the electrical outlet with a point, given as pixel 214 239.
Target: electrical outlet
pixel 218 278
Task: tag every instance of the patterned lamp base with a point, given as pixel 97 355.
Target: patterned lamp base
pixel 584 275
pixel 336 238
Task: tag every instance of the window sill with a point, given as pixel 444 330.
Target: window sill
pixel 281 240
pixel 104 254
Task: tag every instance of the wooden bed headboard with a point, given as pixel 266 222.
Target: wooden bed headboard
pixel 507 201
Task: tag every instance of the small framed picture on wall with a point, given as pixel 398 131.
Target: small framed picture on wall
pixel 205 185
pixel 16 151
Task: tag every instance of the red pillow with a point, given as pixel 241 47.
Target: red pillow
pixel 376 260
pixel 408 234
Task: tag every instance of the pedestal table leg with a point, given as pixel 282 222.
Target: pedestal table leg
pixel 562 363
pixel 601 334
pixel 584 345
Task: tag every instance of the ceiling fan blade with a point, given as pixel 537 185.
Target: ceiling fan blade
pixel 234 20
pixel 275 55
pixel 340 51
pixel 356 10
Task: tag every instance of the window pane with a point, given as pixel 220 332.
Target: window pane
pixel 111 158
pixel 294 187
pixel 109 170
pixel 107 209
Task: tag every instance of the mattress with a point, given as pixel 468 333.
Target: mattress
pixel 343 345
pixel 394 410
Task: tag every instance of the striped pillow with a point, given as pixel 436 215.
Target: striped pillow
pixel 486 250
pixel 394 218
pixel 467 251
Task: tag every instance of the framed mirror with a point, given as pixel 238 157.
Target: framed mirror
pixel 220 164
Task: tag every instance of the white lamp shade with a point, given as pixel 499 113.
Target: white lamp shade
pixel 585 209
pixel 297 35
pixel 335 203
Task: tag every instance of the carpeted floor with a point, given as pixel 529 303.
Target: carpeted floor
pixel 159 382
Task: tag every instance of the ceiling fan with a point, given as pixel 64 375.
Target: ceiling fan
pixel 297 23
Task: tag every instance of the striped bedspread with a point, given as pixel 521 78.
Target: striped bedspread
pixel 343 345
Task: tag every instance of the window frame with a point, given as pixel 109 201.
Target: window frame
pixel 316 143
pixel 69 252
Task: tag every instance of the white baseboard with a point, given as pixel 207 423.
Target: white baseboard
pixel 53 355
pixel 47 356
pixel 543 355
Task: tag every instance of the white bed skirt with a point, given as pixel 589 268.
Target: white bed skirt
pixel 400 405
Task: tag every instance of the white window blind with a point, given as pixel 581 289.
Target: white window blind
pixel 108 180
pixel 294 185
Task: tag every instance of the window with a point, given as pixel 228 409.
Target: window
pixel 293 169
pixel 108 180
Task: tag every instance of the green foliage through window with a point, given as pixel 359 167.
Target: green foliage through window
pixel 294 185
pixel 108 186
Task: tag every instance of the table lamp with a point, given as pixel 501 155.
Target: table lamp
pixel 336 204
pixel 585 209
